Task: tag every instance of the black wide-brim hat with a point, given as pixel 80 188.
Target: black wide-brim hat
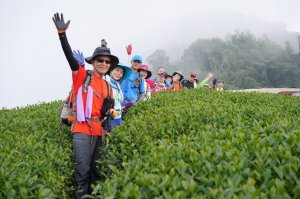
pixel 179 73
pixel 102 51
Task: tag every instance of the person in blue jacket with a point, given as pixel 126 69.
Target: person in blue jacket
pixel 133 87
pixel 115 75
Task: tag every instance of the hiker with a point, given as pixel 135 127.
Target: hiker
pixel 145 73
pixel 91 103
pixel 163 70
pixel 169 79
pixel 160 85
pixel 214 84
pixel 191 82
pixel 220 85
pixel 204 81
pixel 115 75
pixel 133 87
pixel 177 77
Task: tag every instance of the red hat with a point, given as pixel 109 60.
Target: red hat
pixel 194 74
pixel 145 68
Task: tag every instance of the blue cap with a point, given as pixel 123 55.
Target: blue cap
pixel 137 58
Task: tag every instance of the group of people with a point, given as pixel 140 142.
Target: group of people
pixel 112 88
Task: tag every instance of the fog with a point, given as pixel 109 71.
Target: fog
pixel 34 68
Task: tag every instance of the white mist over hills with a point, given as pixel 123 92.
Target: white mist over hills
pixel 34 68
pixel 176 35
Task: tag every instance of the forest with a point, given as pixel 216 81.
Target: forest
pixel 242 60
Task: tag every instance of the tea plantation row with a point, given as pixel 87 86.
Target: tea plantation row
pixel 186 144
pixel 204 144
pixel 35 153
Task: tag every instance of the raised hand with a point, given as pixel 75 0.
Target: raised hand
pixel 59 22
pixel 79 57
pixel 129 49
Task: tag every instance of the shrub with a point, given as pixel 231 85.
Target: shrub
pixel 199 143
pixel 35 157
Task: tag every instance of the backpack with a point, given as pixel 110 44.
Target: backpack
pixel 68 117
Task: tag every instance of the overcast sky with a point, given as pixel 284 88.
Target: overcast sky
pixel 33 66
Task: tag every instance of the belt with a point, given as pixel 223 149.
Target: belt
pixel 95 119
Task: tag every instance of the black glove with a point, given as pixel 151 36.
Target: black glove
pixel 59 22
pixel 107 105
pixel 214 81
pixel 106 123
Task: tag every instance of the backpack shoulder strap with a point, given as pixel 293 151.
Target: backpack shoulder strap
pixel 87 79
pixel 108 88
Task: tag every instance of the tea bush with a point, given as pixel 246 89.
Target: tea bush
pixel 35 153
pixel 204 144
pixel 185 144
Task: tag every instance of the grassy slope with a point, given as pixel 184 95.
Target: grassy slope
pixel 184 144
pixel 201 143
pixel 35 157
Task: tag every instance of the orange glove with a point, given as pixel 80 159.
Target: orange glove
pixel 113 113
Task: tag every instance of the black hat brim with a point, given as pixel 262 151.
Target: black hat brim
pixel 181 76
pixel 114 59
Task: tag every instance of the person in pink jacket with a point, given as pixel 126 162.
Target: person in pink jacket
pixel 160 84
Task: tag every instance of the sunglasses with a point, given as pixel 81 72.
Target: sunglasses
pixel 136 61
pixel 101 61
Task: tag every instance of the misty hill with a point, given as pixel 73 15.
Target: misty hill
pixel 178 34
pixel 242 60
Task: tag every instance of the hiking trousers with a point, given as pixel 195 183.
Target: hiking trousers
pixel 86 152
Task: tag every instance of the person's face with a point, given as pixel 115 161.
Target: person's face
pixel 101 64
pixel 193 78
pixel 176 78
pixel 220 84
pixel 143 74
pixel 161 78
pixel 135 65
pixel 117 73
pixel 169 79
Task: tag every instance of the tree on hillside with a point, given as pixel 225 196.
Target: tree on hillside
pixel 245 61
pixel 158 59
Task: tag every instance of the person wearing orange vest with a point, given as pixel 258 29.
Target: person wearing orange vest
pixel 88 103
pixel 177 77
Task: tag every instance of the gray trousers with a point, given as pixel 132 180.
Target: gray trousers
pixel 86 151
